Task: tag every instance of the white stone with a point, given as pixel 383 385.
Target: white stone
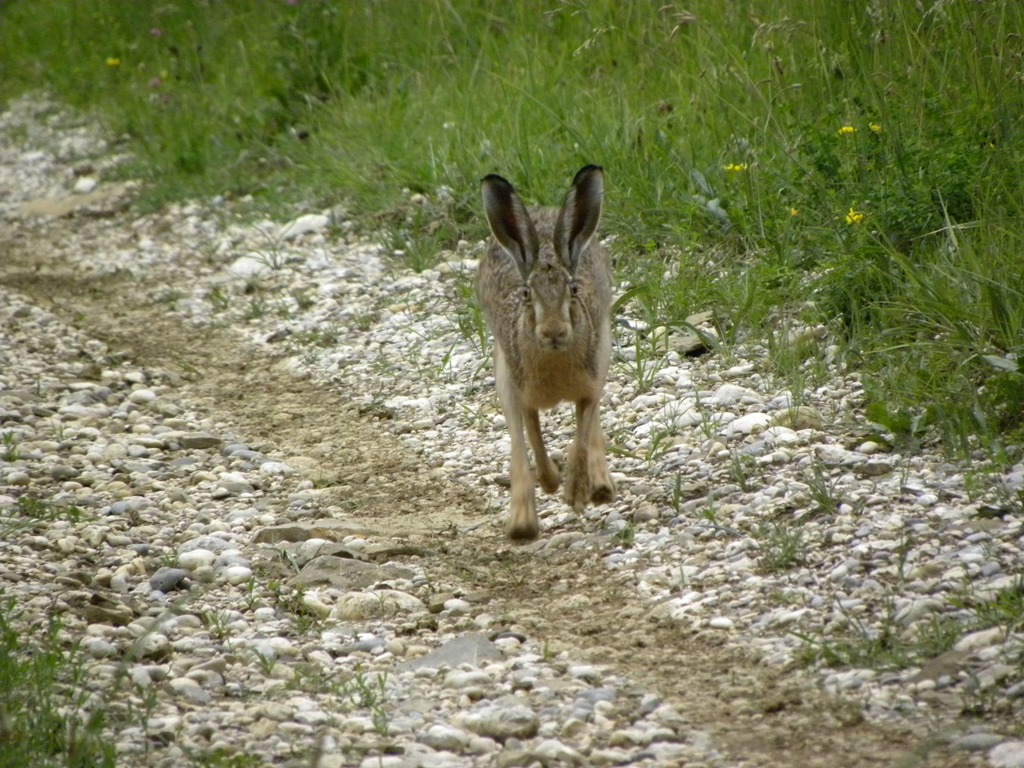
pixel 750 424
pixel 381 603
pixel 152 645
pixel 237 574
pixel 731 394
pixel 981 639
pixel 309 222
pixel 1009 754
pixel 142 396
pixel 440 736
pixel 249 266
pixel 196 558
pixel 276 468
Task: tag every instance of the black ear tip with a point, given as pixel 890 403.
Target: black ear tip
pixel 588 171
pixel 493 178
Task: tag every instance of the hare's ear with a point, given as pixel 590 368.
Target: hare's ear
pixel 510 222
pixel 580 215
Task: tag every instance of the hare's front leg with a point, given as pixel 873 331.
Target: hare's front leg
pixel 547 471
pixel 577 482
pixel 602 489
pixel 523 508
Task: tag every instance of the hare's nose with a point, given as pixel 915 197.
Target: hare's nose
pixel 555 333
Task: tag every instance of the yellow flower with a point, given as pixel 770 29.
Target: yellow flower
pixel 793 212
pixel 875 128
pixel 113 62
pixel 735 167
pixel 847 130
pixel 854 217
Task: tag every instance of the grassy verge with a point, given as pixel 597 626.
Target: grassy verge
pixel 45 717
pixel 856 165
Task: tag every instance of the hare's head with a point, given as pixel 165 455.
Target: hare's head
pixel 549 249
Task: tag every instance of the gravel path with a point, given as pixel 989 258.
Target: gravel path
pixel 258 470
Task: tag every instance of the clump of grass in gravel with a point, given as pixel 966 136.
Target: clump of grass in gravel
pixel 882 645
pixel 823 491
pixel 886 644
pixel 781 546
pixel 43 718
pixel 802 161
pixel 9 446
pixel 1004 608
pixel 29 511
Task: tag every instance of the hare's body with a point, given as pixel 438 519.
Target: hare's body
pixel 545 287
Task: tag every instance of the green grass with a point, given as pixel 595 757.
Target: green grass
pixel 780 545
pixel 44 720
pixel 1003 609
pixel 882 648
pixel 856 165
pixel 887 646
pixel 9 446
pixel 29 511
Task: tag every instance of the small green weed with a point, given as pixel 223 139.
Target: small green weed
pixel 257 308
pixel 216 623
pixel 304 300
pixel 548 652
pixel 266 662
pixel 781 546
pixel 9 445
pixel 324 337
pixel 252 599
pixel 46 511
pixel 289 600
pixel 371 694
pixel 823 491
pixel 271 254
pixel 364 321
pixel 677 494
pixel 661 439
pixel 219 299
pixel 428 231
pixel 626 535
pixel 469 318
pixel 646 361
pixel 710 511
pixel 1003 609
pixel 744 470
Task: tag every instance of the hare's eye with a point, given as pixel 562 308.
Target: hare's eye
pixel 574 288
pixel 524 293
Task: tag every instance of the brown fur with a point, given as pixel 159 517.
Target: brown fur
pixel 545 287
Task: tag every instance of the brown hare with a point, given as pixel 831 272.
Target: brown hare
pixel 545 287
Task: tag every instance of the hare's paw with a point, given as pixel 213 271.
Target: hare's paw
pixel 577 490
pixel 602 487
pixel 523 525
pixel 603 494
pixel 549 476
